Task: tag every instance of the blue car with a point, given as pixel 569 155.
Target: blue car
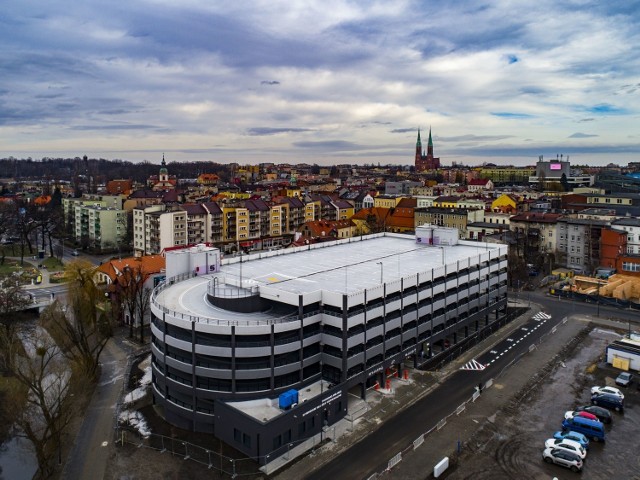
pixel 571 435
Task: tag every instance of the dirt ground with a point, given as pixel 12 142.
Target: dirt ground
pixel 510 446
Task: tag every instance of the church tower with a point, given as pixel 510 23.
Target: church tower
pixel 426 162
pixel 164 173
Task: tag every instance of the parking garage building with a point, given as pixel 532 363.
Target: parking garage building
pixel 232 337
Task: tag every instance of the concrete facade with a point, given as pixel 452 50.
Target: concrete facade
pixel 345 315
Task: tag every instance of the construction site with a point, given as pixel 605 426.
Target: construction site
pixel 620 290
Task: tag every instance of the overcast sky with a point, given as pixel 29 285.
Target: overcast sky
pixel 321 81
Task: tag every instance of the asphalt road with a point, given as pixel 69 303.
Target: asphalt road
pixel 372 453
pixel 89 454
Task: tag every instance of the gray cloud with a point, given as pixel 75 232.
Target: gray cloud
pixel 475 138
pixel 403 130
pixel 581 135
pixel 259 131
pixel 187 75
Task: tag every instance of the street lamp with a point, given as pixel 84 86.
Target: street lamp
pixel 381 272
pixel 598 298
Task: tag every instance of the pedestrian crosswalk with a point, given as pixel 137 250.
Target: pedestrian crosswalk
pixel 541 316
pixel 473 365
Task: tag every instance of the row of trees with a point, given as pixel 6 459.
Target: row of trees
pixel 51 369
pixel 24 222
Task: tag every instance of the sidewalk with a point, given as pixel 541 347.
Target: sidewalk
pixel 381 406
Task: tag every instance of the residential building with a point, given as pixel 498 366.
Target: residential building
pixel 102 228
pixel 105 201
pixel 632 227
pixel 613 245
pixel 506 175
pixel 113 273
pixel 506 203
pixel 387 201
pixel 157 228
pixel 400 188
pixel 613 198
pixel 579 243
pixel 479 185
pixel 446 201
pixel 401 219
pixel 536 235
pixel 457 218
pixel 370 220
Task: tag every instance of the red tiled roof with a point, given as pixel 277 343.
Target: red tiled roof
pixel 150 265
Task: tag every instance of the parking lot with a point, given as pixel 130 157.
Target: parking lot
pixel 511 446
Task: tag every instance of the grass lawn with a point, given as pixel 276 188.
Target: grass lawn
pixel 52 264
pixel 9 267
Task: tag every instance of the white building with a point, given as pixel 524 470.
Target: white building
pixel 632 227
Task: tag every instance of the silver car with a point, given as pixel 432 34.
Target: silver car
pixel 624 379
pixel 562 457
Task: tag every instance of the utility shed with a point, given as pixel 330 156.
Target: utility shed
pixel 624 354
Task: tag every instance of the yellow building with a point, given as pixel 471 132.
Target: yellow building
pixel 505 203
pixel 278 219
pixel 448 201
pixel 312 211
pixel 508 174
pixel 386 201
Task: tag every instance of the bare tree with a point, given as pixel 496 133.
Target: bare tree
pixel 83 327
pixel 40 403
pixel 7 220
pixel 135 295
pixel 13 300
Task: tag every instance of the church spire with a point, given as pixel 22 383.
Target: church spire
pixel 419 142
pixel 430 145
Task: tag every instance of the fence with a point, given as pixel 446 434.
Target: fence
pixel 420 440
pixel 248 466
pixel 604 301
pixel 189 451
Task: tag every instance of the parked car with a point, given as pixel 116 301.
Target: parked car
pixel 593 430
pixel 571 435
pixel 562 457
pixel 612 402
pixel 578 413
pixel 568 445
pixel 609 390
pixel 75 253
pixel 602 414
pixel 624 379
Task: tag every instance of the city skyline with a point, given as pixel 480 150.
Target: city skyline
pixel 321 82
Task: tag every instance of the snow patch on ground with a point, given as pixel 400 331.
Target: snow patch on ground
pixel 144 383
pixel 145 365
pixel 134 395
pixel 136 420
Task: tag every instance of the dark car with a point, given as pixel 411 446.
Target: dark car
pixel 612 402
pixel 602 413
